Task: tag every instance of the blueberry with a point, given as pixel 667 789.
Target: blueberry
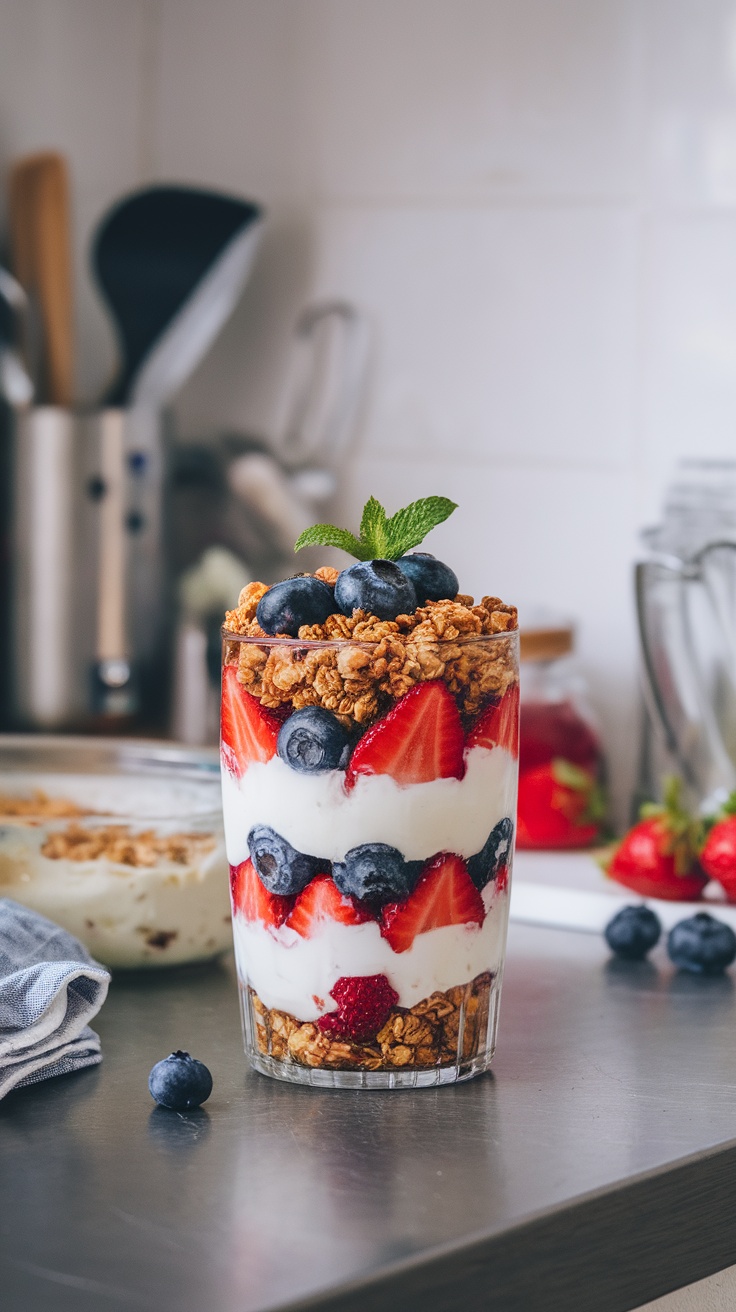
pixel 281 869
pixel 432 579
pixel 701 944
pixel 376 586
pixel 377 873
pixel 288 605
pixel 633 932
pixel 313 740
pixel 180 1082
pixel 495 852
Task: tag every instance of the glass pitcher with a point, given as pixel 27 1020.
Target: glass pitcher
pixel 686 604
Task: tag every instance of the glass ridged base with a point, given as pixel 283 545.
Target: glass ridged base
pixel 398 1079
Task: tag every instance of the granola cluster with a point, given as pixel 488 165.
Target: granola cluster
pixel 381 659
pixel 439 1031
pixel 118 844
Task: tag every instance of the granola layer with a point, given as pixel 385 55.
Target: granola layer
pixel 380 660
pixel 441 1030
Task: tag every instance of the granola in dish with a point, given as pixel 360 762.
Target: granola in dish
pixel 369 750
pixel 36 807
pixel 124 846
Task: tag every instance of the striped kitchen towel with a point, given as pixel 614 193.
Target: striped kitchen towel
pixel 50 988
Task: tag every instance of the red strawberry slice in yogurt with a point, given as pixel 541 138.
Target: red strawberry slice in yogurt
pixel 251 900
pixel 420 739
pixel 445 895
pixel 248 732
pixel 322 900
pixel 498 725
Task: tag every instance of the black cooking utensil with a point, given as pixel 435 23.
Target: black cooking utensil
pixel 171 262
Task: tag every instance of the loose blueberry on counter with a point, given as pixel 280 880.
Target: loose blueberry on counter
pixel 377 586
pixel 376 873
pixel 633 932
pixel 313 740
pixel 485 865
pixel 432 579
pixel 281 869
pixel 293 602
pixel 180 1082
pixel 702 945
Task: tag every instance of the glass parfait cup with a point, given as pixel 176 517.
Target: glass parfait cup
pixel 370 880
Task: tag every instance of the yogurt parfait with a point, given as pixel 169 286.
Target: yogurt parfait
pixel 369 762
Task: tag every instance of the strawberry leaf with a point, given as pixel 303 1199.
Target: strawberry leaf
pixel 581 781
pixel 685 832
pixel 571 776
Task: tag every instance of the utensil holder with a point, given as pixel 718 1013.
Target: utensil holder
pixel 86 613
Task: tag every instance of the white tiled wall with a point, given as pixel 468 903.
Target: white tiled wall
pixel 533 200
pixel 73 77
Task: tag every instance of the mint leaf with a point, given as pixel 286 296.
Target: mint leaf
pixel 382 538
pixel 374 529
pixel 327 535
pixel 410 526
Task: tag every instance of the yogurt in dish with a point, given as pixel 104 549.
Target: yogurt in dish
pixel 131 863
pixel 369 797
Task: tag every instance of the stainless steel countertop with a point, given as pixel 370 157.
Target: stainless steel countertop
pixel 594 1170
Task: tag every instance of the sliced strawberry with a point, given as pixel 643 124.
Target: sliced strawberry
pixel 498 725
pixel 445 895
pixel 420 739
pixel 251 900
pixel 248 732
pixel 322 900
pixel 560 806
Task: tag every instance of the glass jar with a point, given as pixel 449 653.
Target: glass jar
pixel 369 831
pixel 685 585
pixel 561 766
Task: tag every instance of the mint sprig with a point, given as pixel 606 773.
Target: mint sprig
pixel 382 538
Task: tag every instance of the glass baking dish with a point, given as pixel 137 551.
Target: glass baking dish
pixel 118 840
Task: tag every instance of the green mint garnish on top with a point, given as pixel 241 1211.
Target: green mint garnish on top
pixel 381 537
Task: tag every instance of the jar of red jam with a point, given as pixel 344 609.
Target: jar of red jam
pixel 561 765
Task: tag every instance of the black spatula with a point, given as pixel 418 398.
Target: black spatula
pixel 172 263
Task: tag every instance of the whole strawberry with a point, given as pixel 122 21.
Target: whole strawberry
pixel 560 806
pixel 658 857
pixel 718 854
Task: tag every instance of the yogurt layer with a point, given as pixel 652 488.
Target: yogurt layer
pixel 317 816
pixel 295 974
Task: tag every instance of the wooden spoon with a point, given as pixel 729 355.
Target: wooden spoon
pixel 41 250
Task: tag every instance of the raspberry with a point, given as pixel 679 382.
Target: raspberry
pixel 363 1006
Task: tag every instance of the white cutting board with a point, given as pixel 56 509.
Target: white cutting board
pixel 568 890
